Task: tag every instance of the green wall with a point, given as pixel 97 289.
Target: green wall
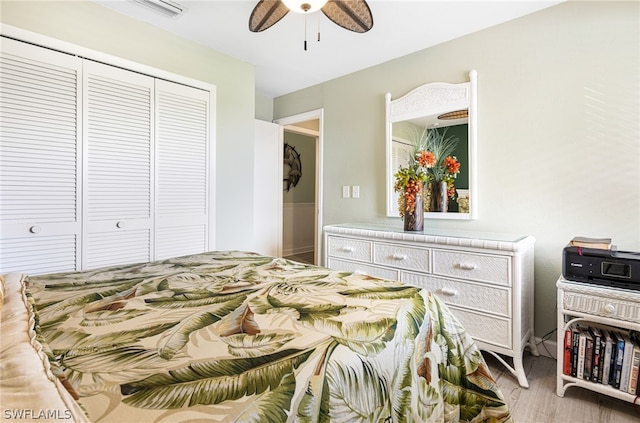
pixel 90 25
pixel 558 130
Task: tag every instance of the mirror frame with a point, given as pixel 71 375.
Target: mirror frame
pixel 430 99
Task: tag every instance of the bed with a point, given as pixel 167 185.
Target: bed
pixel 232 336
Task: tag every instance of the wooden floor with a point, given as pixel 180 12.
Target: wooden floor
pixel 540 404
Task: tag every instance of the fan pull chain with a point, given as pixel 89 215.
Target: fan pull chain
pixel 305 32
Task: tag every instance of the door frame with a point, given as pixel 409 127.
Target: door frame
pixel 291 121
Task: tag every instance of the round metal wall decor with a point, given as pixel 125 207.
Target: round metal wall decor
pixel 294 171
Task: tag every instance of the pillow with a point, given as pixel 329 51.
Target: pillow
pixel 28 388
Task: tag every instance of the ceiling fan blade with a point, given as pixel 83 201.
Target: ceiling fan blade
pixel 353 15
pixel 266 14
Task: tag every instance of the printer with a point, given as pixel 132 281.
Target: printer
pixel 606 267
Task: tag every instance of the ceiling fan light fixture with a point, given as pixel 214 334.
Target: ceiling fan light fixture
pixel 304 6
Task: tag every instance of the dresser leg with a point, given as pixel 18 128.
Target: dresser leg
pixel 519 371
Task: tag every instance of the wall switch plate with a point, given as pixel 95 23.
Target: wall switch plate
pixel 355 191
pixel 345 191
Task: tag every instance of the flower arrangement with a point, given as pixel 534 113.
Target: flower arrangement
pixel 432 160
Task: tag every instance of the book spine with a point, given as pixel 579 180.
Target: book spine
pixel 635 369
pixel 582 348
pixel 606 362
pixel 596 375
pixel 574 352
pixel 619 358
pixel 626 364
pixel 568 347
pixel 588 356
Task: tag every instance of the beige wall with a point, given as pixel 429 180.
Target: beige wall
pixel 92 26
pixel 558 129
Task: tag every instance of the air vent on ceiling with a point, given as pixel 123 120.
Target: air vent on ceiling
pixel 166 8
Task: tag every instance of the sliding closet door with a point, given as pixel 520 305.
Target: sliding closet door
pixel 39 173
pixel 182 157
pixel 118 172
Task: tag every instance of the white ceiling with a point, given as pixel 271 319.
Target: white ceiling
pixel 283 66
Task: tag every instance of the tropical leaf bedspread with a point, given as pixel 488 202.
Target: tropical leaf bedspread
pixel 235 336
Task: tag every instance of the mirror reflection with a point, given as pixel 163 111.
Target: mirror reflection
pixel 426 119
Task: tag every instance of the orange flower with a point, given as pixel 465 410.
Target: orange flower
pixel 426 158
pixel 451 190
pixel 452 165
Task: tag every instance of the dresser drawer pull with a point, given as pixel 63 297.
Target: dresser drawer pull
pixel 34 229
pixel 466 266
pixel 449 292
pixel 609 309
pixel 347 249
pixel 120 224
pixel 399 257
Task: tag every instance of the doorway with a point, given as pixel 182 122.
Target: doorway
pixel 302 209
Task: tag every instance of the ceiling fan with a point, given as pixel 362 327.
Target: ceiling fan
pixel 353 15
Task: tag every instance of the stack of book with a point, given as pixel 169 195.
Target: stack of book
pixel 586 242
pixel 601 355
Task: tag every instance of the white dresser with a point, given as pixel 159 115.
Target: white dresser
pixel 486 279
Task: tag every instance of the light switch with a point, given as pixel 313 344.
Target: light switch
pixel 355 191
pixel 345 191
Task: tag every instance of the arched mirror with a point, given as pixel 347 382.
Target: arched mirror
pixel 437 111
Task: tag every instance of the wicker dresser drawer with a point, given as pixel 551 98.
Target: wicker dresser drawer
pixel 349 248
pixel 362 268
pixel 476 267
pixel 606 303
pixel 484 328
pixel 495 300
pixel 404 257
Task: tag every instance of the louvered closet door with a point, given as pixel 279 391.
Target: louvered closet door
pixel 182 143
pixel 39 173
pixel 118 134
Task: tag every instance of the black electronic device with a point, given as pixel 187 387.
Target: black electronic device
pixel 618 269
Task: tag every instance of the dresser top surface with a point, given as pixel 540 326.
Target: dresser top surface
pixel 431 235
